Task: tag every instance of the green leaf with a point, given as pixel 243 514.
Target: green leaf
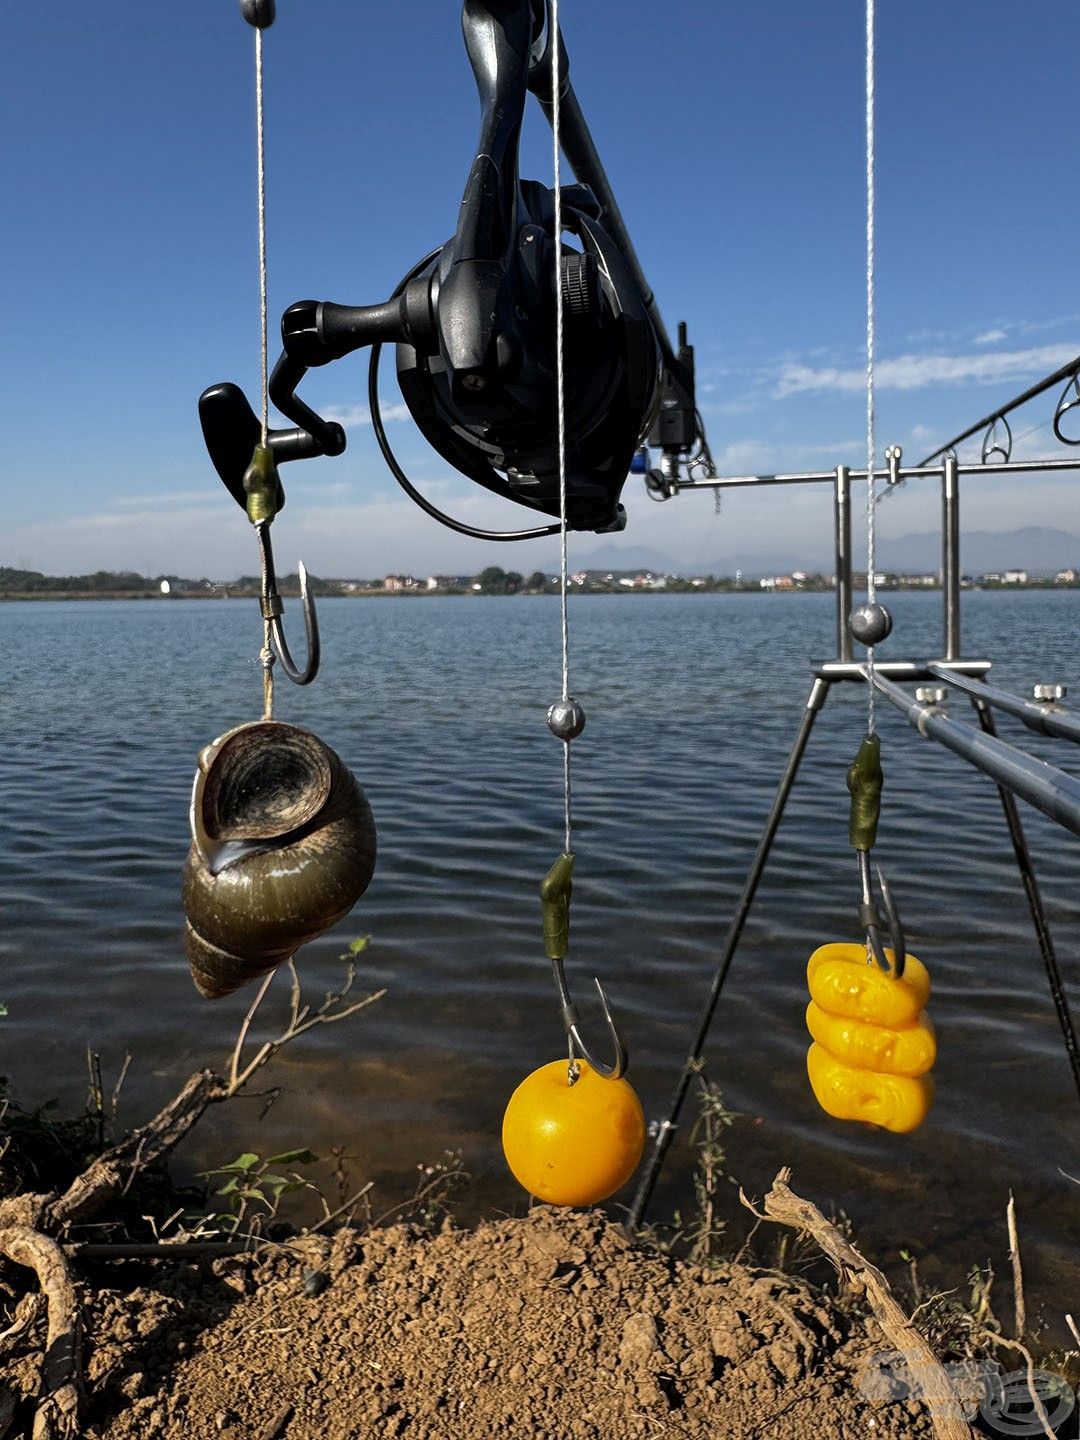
pixel 293 1157
pixel 3 1008
pixel 280 1186
pixel 360 944
pixel 242 1164
pixel 230 1187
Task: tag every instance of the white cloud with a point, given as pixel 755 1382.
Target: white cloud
pixel 353 416
pixel 917 372
pixel 989 337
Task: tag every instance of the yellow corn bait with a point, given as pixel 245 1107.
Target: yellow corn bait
pixel 873 1046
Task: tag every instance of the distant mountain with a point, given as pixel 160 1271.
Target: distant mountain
pixel 1039 549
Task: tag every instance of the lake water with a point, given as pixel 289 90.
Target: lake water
pixel 438 705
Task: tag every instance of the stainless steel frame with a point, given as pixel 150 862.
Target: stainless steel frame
pixel 1053 791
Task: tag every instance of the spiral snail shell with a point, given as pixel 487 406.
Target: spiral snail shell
pixel 283 846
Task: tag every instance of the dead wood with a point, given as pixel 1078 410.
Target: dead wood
pixel 946 1412
pixel 109 1175
pixel 57 1416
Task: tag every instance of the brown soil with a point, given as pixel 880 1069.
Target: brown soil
pixel 551 1326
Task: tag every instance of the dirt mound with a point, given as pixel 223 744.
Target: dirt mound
pixel 552 1326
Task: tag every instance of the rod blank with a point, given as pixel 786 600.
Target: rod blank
pixel 1046 719
pixel 1053 791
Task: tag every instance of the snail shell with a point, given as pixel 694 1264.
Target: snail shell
pixel 283 846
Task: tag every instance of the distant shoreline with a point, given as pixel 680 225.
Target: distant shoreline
pixel 576 591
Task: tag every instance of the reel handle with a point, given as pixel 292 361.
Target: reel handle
pixel 231 430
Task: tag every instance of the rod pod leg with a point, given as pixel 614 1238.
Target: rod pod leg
pixel 819 691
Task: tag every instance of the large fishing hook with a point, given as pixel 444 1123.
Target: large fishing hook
pixel 555 892
pixel 272 609
pixel 870 919
pixel 572 1025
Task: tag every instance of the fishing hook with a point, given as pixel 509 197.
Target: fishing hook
pixel 272 608
pixel 573 1030
pixel 871 919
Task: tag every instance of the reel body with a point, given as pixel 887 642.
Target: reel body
pixel 484 394
pixel 475 323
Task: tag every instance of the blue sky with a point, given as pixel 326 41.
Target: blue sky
pixel 733 135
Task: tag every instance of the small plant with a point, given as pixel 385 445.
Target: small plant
pixel 952 1323
pixel 436 1187
pixel 713 1119
pixel 254 1188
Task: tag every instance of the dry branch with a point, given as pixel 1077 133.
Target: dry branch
pixel 944 1407
pixel 110 1174
pixel 28 1221
pixel 1020 1314
pixel 57 1416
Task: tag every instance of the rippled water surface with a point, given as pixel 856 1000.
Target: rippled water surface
pixel 438 706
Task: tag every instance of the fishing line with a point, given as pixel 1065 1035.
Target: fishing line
pixel 266 654
pixel 560 404
pixel 871 558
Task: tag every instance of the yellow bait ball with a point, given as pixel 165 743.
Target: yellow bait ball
pixel 873 1046
pixel 572 1144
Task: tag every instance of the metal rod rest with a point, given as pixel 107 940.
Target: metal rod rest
pixel 950 556
pixel 897 669
pixel 842 516
pixel 1047 719
pixel 1053 791
pixel 822 477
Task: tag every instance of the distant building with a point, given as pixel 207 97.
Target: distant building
pixel 1015 577
pixel 401 582
pixel 1068 576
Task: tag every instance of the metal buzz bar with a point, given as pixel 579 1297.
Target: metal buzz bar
pixel 1051 790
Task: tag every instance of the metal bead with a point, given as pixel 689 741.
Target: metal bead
pixel 566 719
pixel 260 13
pixel 870 623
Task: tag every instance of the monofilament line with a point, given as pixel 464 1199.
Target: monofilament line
pixel 261 152
pixel 871 557
pixel 560 402
pixel 266 655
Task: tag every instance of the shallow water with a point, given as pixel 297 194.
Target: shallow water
pixel 438 706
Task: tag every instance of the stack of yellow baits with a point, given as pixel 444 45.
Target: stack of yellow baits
pixel 873 1045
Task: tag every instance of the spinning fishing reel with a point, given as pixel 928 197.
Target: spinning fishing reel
pixel 475 330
